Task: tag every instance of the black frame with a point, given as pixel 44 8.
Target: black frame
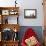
pixel 30 16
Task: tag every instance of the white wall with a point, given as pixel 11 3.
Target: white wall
pixel 32 4
pixel 27 4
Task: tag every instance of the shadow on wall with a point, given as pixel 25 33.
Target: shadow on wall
pixel 37 29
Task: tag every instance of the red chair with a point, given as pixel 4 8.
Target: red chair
pixel 29 33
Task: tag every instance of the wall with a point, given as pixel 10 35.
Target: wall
pixel 32 4
pixel 27 4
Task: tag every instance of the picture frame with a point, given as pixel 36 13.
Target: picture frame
pixel 6 34
pixel 5 12
pixel 30 13
pixel 11 20
pixel 13 12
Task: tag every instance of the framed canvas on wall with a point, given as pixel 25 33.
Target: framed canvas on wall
pixel 30 13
